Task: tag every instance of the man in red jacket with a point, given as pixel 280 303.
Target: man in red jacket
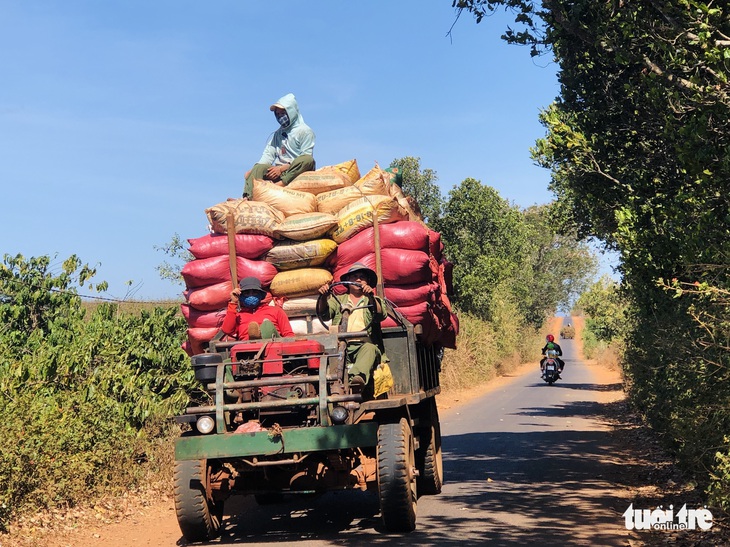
pixel 254 320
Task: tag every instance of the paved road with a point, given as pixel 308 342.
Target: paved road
pixel 525 464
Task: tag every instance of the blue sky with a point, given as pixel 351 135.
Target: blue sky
pixel 121 122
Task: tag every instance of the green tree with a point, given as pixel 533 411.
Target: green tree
pixel 638 147
pixel 421 186
pixel 605 307
pixel 85 390
pixel 485 238
pixel 34 299
pixel 557 268
pixel 176 250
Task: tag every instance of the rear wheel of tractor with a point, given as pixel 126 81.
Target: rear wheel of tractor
pixel 396 477
pixel 428 457
pixel 198 515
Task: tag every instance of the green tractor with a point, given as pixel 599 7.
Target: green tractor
pixel 281 419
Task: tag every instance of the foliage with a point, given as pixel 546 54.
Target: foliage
pixel 485 238
pixel 421 186
pixel 638 147
pixel 498 249
pixel 34 301
pixel 558 265
pixel 69 449
pixel 719 489
pixel 77 391
pixel 606 312
pixel 487 349
pixel 605 307
pixel 85 386
pixel 176 250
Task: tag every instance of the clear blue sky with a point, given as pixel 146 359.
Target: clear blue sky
pixel 121 122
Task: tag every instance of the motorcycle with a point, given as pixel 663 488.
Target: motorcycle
pixel 551 368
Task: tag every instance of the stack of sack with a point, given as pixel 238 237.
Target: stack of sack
pixel 295 239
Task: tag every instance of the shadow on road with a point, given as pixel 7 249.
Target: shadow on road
pixel 618 386
pixel 543 487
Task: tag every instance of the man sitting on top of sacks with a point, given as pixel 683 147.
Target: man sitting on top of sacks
pixel 255 319
pixel 289 150
pixel 362 357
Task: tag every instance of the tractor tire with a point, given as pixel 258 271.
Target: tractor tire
pixel 198 515
pixel 397 489
pixel 429 460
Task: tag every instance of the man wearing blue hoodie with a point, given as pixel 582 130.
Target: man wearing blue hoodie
pixel 289 150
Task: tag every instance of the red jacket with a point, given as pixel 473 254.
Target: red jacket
pixel 236 322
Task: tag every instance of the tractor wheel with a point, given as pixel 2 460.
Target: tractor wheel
pixel 198 515
pixel 396 477
pixel 428 457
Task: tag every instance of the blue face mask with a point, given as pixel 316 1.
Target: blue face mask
pixel 283 120
pixel 251 301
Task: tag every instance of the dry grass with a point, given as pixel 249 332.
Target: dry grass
pixel 608 357
pixel 131 307
pixel 482 354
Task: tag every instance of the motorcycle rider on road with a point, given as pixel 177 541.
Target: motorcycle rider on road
pixel 550 344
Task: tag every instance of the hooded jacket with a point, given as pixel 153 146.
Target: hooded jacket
pixel 290 142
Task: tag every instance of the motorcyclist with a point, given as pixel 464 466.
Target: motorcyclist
pixel 550 344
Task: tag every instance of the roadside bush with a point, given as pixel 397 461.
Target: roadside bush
pixel 60 449
pixel 85 401
pixel 719 489
pixel 485 350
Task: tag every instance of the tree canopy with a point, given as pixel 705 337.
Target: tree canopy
pixel 638 144
pixel 499 251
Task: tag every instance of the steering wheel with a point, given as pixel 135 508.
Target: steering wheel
pixel 323 306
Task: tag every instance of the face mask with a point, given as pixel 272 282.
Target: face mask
pixel 251 301
pixel 283 120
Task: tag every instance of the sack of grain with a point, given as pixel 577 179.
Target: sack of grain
pixel 374 183
pixel 306 226
pixel 302 326
pixel 250 217
pixel 412 293
pixel 288 254
pixel 399 266
pixel 359 215
pixel 334 201
pixel 396 235
pixel 203 319
pixel 198 337
pixel 209 298
pixel 247 245
pixel 300 282
pixel 284 199
pixel 350 169
pixel 300 306
pixel 321 180
pixel 202 272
